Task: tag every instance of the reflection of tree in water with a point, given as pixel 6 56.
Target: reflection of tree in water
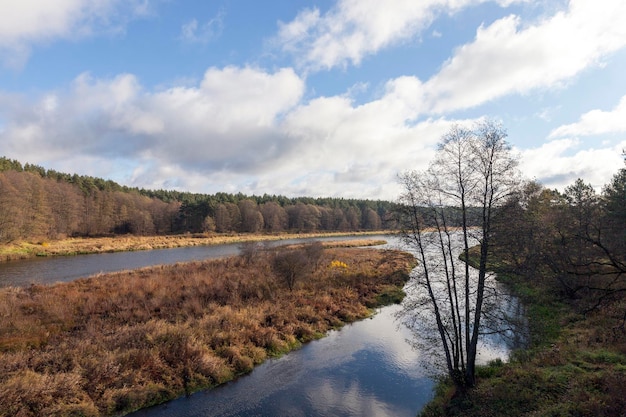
pixel 503 327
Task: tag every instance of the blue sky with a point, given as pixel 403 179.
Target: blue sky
pixel 308 98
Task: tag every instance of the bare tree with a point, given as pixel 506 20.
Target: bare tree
pixel 248 251
pixel 304 217
pixel 251 217
pixel 445 210
pixel 10 208
pixel 222 219
pixel 371 219
pixel 292 264
pixel 275 217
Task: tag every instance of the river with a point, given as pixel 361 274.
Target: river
pixel 48 270
pixel 366 369
pixel 370 368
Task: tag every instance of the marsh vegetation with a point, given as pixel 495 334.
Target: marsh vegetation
pixel 114 343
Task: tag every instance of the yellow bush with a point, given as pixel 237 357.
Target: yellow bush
pixel 338 264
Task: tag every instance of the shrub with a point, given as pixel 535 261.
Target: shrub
pixel 290 265
pixel 249 251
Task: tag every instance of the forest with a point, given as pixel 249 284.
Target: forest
pixel 36 203
pixel 575 241
pixel 563 253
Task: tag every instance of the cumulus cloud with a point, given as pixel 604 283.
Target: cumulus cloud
pixel 354 29
pixel 243 128
pixel 559 163
pixel 238 129
pixel 360 148
pixel 210 122
pixel 596 122
pixel 27 22
pixel 510 57
pixel 229 121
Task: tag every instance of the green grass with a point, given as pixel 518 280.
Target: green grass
pixel 390 295
pixel 574 366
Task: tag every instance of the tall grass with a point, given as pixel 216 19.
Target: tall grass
pixel 114 343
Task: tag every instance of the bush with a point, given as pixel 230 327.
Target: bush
pixel 290 265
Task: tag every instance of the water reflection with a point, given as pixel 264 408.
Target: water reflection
pixel 366 369
pixel 503 324
pixel 68 268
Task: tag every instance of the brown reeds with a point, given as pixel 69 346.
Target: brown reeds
pixel 114 343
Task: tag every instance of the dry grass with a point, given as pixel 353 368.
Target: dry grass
pixel 113 343
pixel 76 246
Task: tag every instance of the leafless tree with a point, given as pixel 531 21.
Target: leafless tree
pixel 292 264
pixel 445 210
pixel 251 217
pixel 274 216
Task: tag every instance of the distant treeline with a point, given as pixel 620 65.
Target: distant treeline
pixel 40 203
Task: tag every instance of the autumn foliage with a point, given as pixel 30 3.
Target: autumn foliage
pixel 38 204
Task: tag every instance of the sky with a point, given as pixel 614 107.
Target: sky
pixel 308 98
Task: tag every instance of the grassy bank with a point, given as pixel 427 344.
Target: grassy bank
pixel 77 246
pixel 575 366
pixel 114 343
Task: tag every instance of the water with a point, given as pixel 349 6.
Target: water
pixel 502 324
pixel 370 368
pixel 367 369
pixel 68 268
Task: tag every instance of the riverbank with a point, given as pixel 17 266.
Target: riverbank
pixel 123 243
pixel 114 343
pixel 575 366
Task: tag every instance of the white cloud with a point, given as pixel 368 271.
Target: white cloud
pixel 228 100
pixel 546 114
pixel 239 129
pixel 243 129
pixel 27 22
pixel 226 122
pixel 371 142
pixel 507 57
pixel 596 122
pixel 559 163
pixel 354 29
pixel 208 32
pixel 250 130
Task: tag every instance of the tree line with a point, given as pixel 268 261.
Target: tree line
pixel 40 203
pixel 572 241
